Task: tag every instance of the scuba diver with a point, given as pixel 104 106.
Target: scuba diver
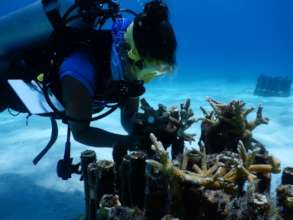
pixel 88 68
pixel 141 50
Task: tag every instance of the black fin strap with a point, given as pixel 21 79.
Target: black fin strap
pixel 54 136
pixel 52 10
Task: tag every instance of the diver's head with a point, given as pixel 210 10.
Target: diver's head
pixel 152 41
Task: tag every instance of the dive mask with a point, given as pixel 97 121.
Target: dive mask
pixel 144 69
pixel 149 70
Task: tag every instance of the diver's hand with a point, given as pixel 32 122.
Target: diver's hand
pixel 120 149
pixel 128 142
pixel 132 141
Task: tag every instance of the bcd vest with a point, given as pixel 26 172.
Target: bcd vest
pixel 98 44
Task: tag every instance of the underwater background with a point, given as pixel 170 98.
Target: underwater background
pixel 224 45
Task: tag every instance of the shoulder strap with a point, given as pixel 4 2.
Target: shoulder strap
pixel 52 10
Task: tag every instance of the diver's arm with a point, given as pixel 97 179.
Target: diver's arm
pixel 77 102
pixel 128 111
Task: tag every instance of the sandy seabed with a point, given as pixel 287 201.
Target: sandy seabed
pixel 35 192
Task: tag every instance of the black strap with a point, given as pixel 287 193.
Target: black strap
pixel 52 10
pixel 54 136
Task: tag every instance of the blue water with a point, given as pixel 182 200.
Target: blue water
pixel 223 47
pixel 219 38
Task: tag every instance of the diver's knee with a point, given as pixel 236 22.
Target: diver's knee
pixel 79 135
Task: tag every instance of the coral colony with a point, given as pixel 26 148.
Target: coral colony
pixel 226 177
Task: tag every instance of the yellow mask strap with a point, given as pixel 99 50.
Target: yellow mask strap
pixel 133 52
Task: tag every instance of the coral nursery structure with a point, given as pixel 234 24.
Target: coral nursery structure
pixel 228 173
pixel 285 195
pixel 278 86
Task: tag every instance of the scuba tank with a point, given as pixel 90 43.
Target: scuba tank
pixel 27 31
pixel 27 27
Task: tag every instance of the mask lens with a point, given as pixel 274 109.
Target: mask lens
pixel 148 70
pixel 163 68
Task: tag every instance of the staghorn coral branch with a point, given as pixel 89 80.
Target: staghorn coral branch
pixel 196 168
pixel 206 113
pixel 215 105
pixel 185 161
pixel 210 121
pixel 242 151
pixel 172 122
pixel 189 138
pixel 186 121
pixel 247 112
pixel 275 163
pixel 204 165
pixel 212 170
pixel 155 164
pixel 158 147
pixel 260 168
pixel 231 176
pixel 259 119
pixel 230 173
pixel 226 120
pixel 250 177
pixel 171 171
pixel 162 108
pixel 221 108
pixel 190 122
pixel 221 171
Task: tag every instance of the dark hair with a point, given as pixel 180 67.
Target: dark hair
pixel 153 34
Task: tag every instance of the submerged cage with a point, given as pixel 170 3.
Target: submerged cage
pixel 278 86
